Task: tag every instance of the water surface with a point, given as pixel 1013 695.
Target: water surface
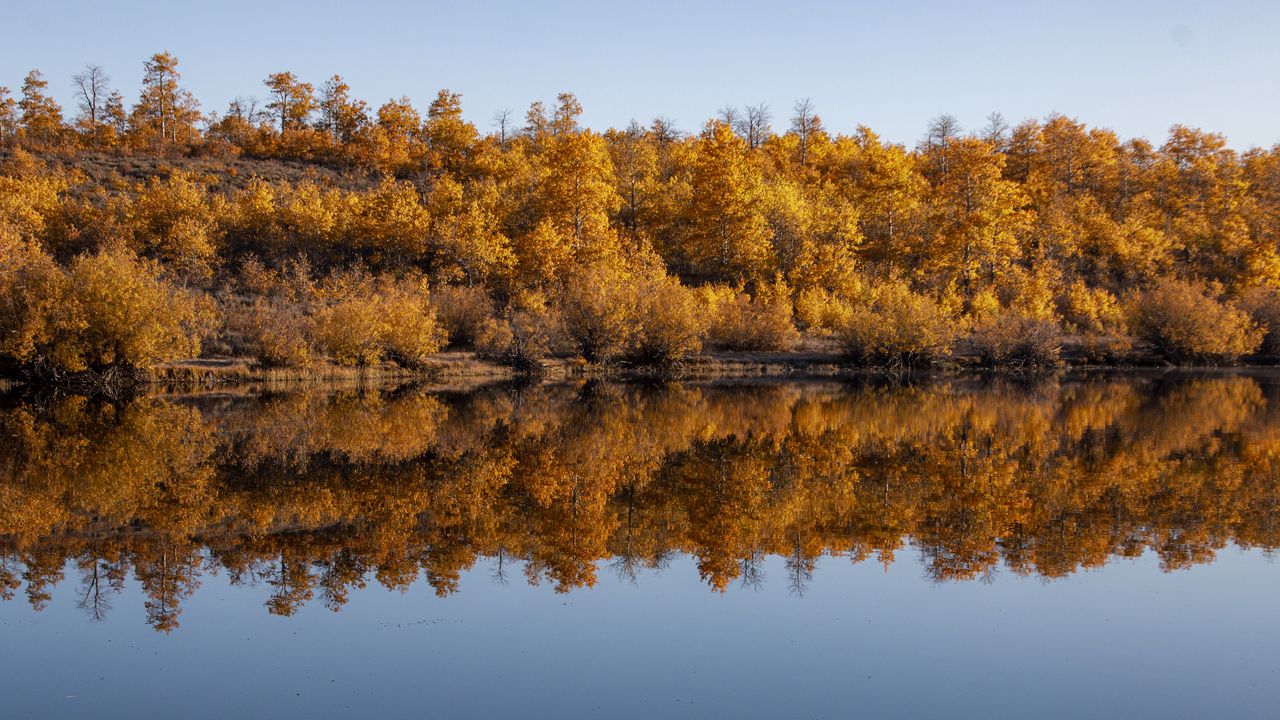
pixel 1094 545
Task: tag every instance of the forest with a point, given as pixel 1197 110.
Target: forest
pixel 310 228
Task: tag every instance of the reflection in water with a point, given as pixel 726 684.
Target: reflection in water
pixel 310 495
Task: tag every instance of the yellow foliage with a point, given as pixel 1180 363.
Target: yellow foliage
pixel 274 331
pixel 126 314
pixel 1093 310
pixel 395 321
pixel 1185 321
pixel 898 328
pixel 818 310
pixel 738 321
pixel 30 195
pixel 598 309
pixel 1013 338
pixel 671 323
pixel 523 336
pixel 1263 305
pixel 31 289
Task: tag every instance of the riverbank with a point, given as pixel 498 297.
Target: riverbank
pixel 812 358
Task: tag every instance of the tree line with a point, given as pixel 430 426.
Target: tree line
pixel 309 226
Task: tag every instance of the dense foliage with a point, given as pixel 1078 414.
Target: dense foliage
pixel 311 496
pixel 551 237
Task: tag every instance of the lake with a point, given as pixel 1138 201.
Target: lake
pixel 1091 544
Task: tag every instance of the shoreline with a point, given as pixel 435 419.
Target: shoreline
pixel 461 370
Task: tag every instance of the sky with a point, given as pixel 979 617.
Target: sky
pixel 1135 67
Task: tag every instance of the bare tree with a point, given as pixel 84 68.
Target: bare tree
pixel 753 570
pixel 997 131
pixel 755 126
pixel 805 123
pixel 94 589
pixel 499 574
pixel 92 92
pixel 799 569
pixel 729 116
pixel 942 129
pixel 502 121
pixel 664 130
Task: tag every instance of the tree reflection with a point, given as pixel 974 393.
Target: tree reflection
pixel 312 495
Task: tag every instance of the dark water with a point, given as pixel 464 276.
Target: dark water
pixel 1083 546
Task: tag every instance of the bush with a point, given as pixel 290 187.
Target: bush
pixel 274 331
pixel 396 321
pixel 351 331
pixel 898 328
pixel 598 306
pixel 1263 305
pixel 411 329
pixel 821 311
pixel 670 323
pixel 741 322
pixel 127 315
pixel 31 288
pixel 108 309
pixel 522 337
pixel 1186 322
pixel 1098 318
pixel 463 312
pixel 1010 338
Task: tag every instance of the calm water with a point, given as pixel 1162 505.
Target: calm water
pixel 1085 546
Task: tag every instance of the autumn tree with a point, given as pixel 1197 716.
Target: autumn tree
pixel 727 235
pixel 291 101
pixel 165 113
pixel 41 117
pixel 8 117
pixel 977 218
pixel 341 116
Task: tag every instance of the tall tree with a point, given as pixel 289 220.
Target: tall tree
pixel 291 101
pixel 341 117
pixel 728 236
pixel 8 116
pixel 166 113
pixel 92 92
pixel 41 116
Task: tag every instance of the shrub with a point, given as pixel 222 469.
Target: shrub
pixel 127 315
pixel 741 322
pixel 598 306
pixel 821 311
pixel 463 312
pixel 1098 318
pixel 274 331
pixel 1263 305
pixel 522 337
pixel 1185 321
pixel 1092 310
pixel 351 331
pixel 670 323
pixel 411 329
pixel 1010 338
pixel 396 321
pixel 31 289
pixel 897 328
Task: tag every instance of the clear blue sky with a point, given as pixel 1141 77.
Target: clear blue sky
pixel 1136 67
